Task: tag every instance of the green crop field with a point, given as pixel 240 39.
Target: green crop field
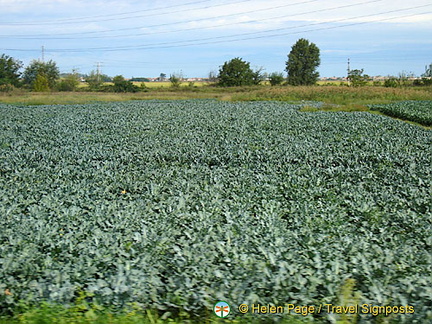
pixel 171 206
pixel 416 111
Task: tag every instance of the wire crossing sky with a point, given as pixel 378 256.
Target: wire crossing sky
pixel 146 38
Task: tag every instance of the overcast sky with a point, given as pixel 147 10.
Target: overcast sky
pixel 192 37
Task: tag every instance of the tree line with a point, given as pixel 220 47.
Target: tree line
pixel 301 70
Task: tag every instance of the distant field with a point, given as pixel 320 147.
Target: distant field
pixel 165 84
pixel 168 84
pixel 155 85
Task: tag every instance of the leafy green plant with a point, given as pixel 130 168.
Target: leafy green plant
pixel 173 205
pixel 416 111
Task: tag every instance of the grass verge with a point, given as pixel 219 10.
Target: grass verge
pixel 351 98
pixel 85 314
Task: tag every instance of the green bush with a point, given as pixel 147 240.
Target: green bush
pixel 357 78
pixel 276 78
pixel 6 88
pixel 122 85
pixel 237 72
pixel 391 82
pixel 423 82
pixel 69 83
pixel 41 83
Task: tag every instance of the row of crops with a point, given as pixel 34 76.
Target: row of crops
pixel 175 205
pixel 416 111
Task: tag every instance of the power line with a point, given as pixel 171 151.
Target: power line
pixel 203 19
pixel 239 37
pixel 98 16
pixel 176 23
pixel 224 38
pixel 98 71
pixel 93 20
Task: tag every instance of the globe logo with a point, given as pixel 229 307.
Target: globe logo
pixel 222 309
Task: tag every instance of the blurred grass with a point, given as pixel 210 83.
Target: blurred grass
pixel 346 97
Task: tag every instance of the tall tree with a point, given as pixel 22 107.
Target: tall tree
pixel 302 63
pixel 238 73
pixel 48 70
pixel 9 70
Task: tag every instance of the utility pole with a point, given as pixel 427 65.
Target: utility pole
pixel 98 65
pixel 348 70
pixel 43 54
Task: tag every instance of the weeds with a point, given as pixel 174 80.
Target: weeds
pixel 348 98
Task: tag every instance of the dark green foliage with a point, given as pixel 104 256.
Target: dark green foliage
pixel 46 70
pixel 303 60
pixel 357 78
pixel 122 85
pixel 140 79
pixel 391 82
pixel 423 82
pixel 7 88
pixel 238 73
pixel 416 111
pixel 276 78
pixel 9 71
pixel 174 205
pixel 41 83
pixel 69 82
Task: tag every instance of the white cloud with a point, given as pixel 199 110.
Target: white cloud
pixel 145 22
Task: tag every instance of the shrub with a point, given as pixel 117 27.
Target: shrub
pixel 238 73
pixel 122 85
pixel 176 80
pixel 41 83
pixel 6 88
pixel 391 82
pixel 69 83
pixel 276 78
pixel 47 72
pixel 357 78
